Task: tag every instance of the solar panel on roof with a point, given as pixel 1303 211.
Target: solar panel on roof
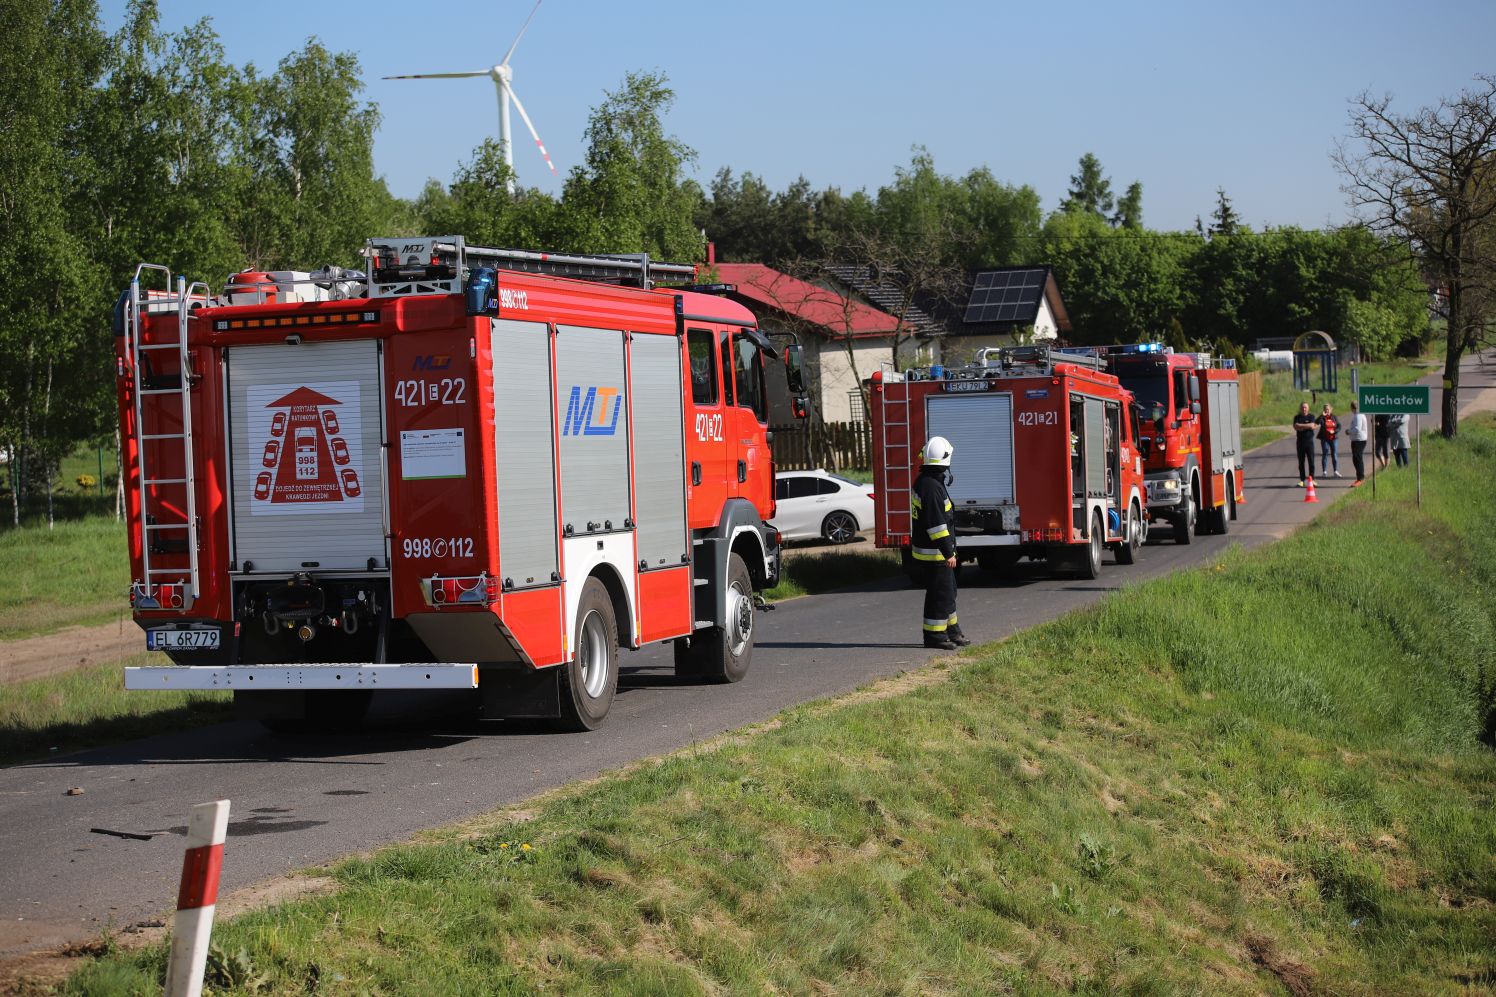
pixel 1005 296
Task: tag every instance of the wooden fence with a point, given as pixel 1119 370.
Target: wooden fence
pixel 1251 389
pixel 841 446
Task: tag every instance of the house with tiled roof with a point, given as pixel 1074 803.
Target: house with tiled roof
pixel 845 337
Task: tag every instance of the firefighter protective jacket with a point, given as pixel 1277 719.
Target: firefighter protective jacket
pixel 931 508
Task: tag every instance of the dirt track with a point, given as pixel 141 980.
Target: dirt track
pixel 66 650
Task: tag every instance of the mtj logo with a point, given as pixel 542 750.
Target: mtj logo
pixel 587 414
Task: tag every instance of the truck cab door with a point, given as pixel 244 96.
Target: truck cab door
pixel 752 462
pixel 710 474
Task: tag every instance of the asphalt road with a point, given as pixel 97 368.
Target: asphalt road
pixel 299 801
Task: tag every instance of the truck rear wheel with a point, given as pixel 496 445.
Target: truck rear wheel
pixel 722 654
pixel 1086 561
pixel 315 711
pixel 1127 550
pixel 589 681
pixel 997 562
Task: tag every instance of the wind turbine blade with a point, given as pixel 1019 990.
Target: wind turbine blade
pixel 435 76
pixel 505 61
pixel 530 125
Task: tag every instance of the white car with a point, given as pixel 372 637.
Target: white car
pixel 811 504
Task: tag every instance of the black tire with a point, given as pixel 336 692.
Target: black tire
pixel 1127 550
pixel 839 527
pixel 722 654
pixel 997 562
pixel 913 570
pixel 317 711
pixel 1085 561
pixel 590 679
pixel 1184 519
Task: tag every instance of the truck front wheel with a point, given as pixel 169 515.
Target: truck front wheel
pixel 722 654
pixel 1184 519
pixel 589 681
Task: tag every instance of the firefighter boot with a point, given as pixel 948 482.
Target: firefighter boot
pixel 955 636
pixel 938 641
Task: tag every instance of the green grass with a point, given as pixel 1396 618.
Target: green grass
pixel 70 499
pixel 1251 439
pixel 1274 772
pixel 90 706
pixel 1280 402
pixel 808 574
pixel 75 574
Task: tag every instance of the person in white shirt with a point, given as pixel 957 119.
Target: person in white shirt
pixel 1355 431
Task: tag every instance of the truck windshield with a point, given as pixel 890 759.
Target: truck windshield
pixel 1151 390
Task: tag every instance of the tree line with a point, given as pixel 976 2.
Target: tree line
pixel 143 144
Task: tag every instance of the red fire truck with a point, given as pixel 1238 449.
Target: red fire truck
pixel 1046 461
pixel 1191 406
pixel 458 468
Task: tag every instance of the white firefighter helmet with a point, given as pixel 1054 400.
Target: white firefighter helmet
pixel 937 452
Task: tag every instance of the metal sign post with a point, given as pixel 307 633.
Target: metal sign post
pixel 1398 399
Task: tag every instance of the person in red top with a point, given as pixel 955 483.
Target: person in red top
pixel 1329 441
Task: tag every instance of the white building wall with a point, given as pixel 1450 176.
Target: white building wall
pixel 837 378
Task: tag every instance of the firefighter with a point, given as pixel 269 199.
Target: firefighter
pixel 935 547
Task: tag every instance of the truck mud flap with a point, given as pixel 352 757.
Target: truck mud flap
pixel 521 693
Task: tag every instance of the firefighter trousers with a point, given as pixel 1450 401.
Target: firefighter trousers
pixel 940 598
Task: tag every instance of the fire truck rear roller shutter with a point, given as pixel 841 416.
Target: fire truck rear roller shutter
pixel 592 400
pixel 659 461
pixel 332 513
pixel 980 429
pixel 1095 447
pixel 524 453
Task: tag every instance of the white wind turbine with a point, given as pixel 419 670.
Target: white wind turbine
pixel 503 81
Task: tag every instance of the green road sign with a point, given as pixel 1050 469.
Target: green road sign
pixel 1394 399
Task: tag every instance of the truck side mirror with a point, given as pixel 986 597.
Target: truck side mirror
pixel 794 369
pixel 1145 446
pixel 1194 389
pixel 1194 406
pixel 802 407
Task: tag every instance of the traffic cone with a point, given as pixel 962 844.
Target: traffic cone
pixel 1309 490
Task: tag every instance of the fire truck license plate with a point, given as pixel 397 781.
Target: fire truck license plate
pixel 177 640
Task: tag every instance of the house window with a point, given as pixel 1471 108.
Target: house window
pixel 856 407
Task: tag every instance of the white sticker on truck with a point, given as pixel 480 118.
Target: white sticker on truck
pixel 432 453
pixel 305 448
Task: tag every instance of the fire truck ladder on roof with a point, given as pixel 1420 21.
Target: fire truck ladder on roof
pixel 156 517
pixel 635 269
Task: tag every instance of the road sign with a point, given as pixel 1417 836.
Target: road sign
pixel 1394 399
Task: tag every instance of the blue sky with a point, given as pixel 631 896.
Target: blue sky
pixel 1185 97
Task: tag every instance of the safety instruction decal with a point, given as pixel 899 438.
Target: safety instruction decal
pixel 432 453
pixel 305 448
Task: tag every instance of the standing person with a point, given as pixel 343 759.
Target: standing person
pixel 1380 454
pixel 1303 427
pixel 1355 431
pixel 935 548
pixel 1329 442
pixel 1397 431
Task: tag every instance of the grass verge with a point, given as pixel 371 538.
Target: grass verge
pixel 75 574
pixel 1271 773
pixel 89 707
pixel 808 574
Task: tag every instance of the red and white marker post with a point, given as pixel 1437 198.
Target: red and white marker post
pixel 207 826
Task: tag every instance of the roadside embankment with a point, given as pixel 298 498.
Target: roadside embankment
pixel 1273 771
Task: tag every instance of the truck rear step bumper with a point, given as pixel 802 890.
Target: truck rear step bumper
pixel 271 678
